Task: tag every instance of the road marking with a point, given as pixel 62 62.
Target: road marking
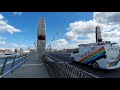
pixel 32 64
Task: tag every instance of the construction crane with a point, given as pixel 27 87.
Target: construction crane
pixel 35 45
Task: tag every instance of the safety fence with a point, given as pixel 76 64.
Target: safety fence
pixel 11 62
pixel 64 70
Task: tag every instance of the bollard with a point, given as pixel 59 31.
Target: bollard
pixel 3 67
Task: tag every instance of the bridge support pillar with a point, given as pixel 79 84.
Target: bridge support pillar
pixel 41 37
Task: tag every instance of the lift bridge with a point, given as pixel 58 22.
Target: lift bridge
pixel 38 63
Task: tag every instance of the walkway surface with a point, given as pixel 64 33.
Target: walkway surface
pixel 32 68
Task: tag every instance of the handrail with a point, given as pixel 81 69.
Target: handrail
pixel 21 57
pixel 64 70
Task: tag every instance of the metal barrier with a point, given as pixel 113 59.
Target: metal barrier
pixel 21 58
pixel 64 70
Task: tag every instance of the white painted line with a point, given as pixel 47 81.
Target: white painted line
pixel 32 64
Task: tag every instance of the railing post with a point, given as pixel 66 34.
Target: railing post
pixel 3 67
pixel 19 58
pixel 13 64
pixel 25 56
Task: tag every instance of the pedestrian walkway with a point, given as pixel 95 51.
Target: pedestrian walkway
pixel 32 68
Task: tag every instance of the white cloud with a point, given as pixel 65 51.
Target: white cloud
pixel 2 42
pixel 15 45
pixel 79 28
pixel 107 17
pixel 59 42
pixel 109 23
pixel 12 46
pixel 2 48
pixel 1 17
pixel 81 32
pixel 71 36
pixel 5 27
pixel 65 46
pixel 28 41
pixel 17 13
pixel 82 28
pixel 111 34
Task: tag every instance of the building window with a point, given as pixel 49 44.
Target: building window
pixel 41 37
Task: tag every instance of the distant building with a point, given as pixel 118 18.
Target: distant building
pixel 21 50
pixel 32 50
pixel 5 50
pixel 16 51
pixel 8 51
pixel 2 50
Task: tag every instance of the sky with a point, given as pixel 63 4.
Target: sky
pixel 19 29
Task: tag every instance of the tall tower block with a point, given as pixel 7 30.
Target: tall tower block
pixel 98 34
pixel 41 37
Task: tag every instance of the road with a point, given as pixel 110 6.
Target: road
pixel 65 57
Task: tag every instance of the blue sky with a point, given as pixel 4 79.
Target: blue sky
pixel 73 27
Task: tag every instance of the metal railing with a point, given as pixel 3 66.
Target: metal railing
pixel 11 62
pixel 64 70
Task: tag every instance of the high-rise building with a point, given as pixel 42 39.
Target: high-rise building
pixel 41 37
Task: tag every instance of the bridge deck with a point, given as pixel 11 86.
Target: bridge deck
pixel 32 68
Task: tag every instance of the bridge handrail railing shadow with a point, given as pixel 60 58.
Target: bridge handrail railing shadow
pixel 64 70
